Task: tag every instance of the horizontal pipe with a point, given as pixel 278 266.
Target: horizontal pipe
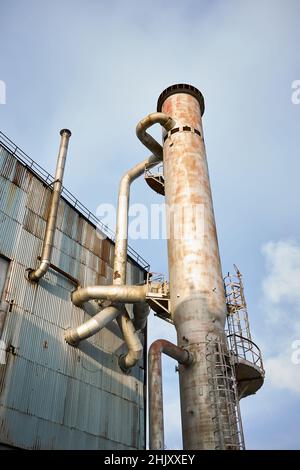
pixel 132 340
pixel 154 118
pixel 156 415
pixel 114 293
pixel 37 274
pixel 91 326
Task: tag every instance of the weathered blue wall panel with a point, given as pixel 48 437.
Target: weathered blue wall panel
pixel 53 396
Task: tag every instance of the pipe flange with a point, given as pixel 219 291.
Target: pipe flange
pixel 66 131
pixel 181 88
pixel 191 357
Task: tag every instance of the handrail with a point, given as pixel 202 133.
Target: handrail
pixel 34 167
pixel 252 348
pixel 159 170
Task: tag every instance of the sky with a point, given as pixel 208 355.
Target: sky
pixel 98 67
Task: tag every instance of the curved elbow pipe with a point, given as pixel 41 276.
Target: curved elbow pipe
pixel 114 293
pixel 154 118
pixel 92 326
pixel 133 343
pixel 36 275
pixel 156 415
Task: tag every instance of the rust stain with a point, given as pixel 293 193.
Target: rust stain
pixel 105 250
pixel 117 275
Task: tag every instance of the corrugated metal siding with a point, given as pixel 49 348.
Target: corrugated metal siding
pixel 64 397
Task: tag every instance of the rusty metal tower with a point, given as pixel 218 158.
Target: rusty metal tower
pixel 219 367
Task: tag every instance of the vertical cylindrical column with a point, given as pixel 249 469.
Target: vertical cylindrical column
pixel 196 284
pixel 156 414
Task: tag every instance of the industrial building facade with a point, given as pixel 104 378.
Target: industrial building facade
pixel 52 395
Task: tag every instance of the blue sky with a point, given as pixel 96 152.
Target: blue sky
pixel 98 67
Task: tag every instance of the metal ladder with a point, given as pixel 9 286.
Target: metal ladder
pixel 237 319
pixel 226 414
pixel 238 329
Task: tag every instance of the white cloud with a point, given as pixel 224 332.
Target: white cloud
pixel 283 373
pixel 283 278
pixel 281 303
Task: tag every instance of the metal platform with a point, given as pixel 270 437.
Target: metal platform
pixel 246 357
pixel 158 297
pixel 155 179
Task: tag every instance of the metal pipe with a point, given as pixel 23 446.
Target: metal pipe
pixel 123 294
pixel 141 310
pixel 37 274
pixel 156 415
pixel 121 240
pixel 119 292
pixel 140 314
pixel 91 326
pixel 132 340
pixel 154 118
pixel 127 327
pixel 63 273
pixel 120 261
pixel 135 348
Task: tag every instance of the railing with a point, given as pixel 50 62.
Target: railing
pixel 157 283
pixel 245 349
pixel 158 171
pixel 35 168
pixel 156 277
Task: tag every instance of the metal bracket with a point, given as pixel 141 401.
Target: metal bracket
pixel 182 129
